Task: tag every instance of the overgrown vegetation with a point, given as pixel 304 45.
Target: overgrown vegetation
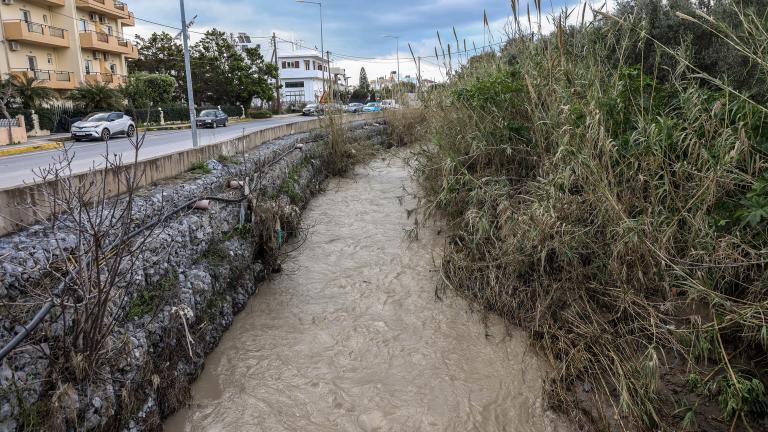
pixel 616 212
pixel 342 153
pixel 146 301
pixel 200 167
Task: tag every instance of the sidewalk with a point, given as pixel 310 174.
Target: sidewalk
pixel 34 145
pixel 57 140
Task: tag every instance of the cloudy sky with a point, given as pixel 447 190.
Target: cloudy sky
pixel 354 29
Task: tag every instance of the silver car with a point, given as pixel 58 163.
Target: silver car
pixel 103 126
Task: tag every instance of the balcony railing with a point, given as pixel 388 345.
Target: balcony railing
pixel 59 80
pixel 110 8
pixel 130 21
pixel 35 33
pixel 99 41
pixel 113 80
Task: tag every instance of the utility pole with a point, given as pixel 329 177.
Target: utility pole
pixel 188 70
pixel 277 80
pixel 330 77
pixel 418 73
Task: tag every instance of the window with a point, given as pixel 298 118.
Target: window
pixel 88 66
pixel 306 64
pixel 26 15
pixel 113 68
pixel 294 84
pixel 45 19
pixel 107 57
pixel 83 25
pixel 109 30
pixel 96 55
pixel 32 60
pixel 50 58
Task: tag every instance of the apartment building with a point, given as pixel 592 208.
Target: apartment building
pixel 65 43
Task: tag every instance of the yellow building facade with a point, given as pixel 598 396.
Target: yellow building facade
pixel 65 43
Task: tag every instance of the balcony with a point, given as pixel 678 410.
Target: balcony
pixel 53 3
pixel 111 8
pixel 130 22
pixel 36 33
pixel 98 41
pixel 113 80
pixel 57 80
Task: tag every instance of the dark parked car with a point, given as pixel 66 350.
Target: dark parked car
pixel 212 119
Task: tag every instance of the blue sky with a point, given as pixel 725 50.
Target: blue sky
pixel 352 27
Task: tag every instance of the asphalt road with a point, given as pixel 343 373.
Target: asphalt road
pixel 20 169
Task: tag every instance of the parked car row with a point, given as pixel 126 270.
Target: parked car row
pixel 352 108
pixel 104 125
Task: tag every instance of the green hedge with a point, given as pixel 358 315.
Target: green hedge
pixel 174 113
pixel 259 114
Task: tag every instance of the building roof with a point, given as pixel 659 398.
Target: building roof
pixel 300 54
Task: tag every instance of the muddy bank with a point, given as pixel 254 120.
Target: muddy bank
pixel 193 274
pixel 351 337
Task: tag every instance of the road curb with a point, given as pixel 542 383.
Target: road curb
pixel 30 148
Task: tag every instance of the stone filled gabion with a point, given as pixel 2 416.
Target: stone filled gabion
pixel 209 290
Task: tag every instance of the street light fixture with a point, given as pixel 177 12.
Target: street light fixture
pixel 322 41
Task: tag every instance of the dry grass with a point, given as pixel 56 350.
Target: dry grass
pixel 616 218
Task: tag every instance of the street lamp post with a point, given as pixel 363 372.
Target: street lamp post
pixel 188 72
pixel 397 38
pixel 322 39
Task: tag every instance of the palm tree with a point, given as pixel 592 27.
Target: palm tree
pixel 96 97
pixel 7 94
pixel 30 90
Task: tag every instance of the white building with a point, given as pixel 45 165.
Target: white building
pixel 301 76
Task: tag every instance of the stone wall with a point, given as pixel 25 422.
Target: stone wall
pixel 16 202
pixel 203 264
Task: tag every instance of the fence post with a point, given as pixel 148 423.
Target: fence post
pixel 35 124
pixel 22 122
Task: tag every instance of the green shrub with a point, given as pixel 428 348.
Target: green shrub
pixel 259 114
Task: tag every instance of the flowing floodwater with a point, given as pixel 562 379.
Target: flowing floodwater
pixel 351 337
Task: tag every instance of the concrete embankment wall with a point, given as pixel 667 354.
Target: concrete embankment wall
pixel 189 278
pixel 17 203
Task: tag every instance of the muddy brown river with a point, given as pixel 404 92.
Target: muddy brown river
pixel 350 337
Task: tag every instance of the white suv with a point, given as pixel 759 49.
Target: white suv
pixel 103 126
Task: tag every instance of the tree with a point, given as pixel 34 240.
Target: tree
pixel 363 89
pixel 96 97
pixel 30 90
pixel 161 54
pixel 145 89
pixel 224 75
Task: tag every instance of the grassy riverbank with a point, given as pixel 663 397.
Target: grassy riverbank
pixel 619 213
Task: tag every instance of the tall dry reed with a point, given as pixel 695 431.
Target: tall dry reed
pixel 622 220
